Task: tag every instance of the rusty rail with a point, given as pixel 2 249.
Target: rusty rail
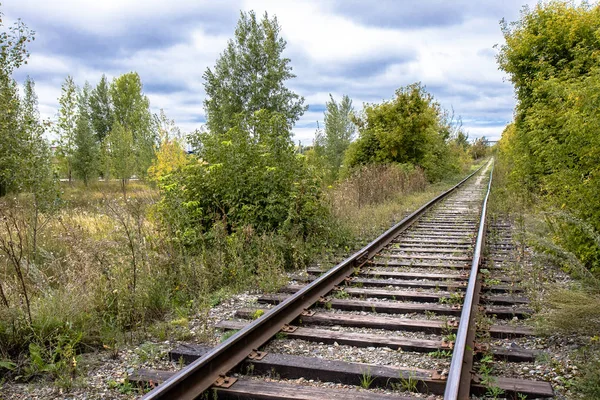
pixel 193 380
pixel 459 375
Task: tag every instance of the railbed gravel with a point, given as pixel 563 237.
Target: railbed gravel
pixel 368 355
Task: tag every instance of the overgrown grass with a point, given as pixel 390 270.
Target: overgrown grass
pixel 378 196
pixel 103 271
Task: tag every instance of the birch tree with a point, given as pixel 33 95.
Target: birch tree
pixel 67 120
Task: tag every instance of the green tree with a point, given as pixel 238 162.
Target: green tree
pixel 551 55
pixel 36 173
pixel 131 109
pixel 86 156
pixel 247 176
pixel 479 148
pixel 101 113
pixel 102 118
pixel 339 132
pixel 553 38
pixel 13 53
pixel 249 76
pixel 67 120
pixel 412 128
pixel 122 160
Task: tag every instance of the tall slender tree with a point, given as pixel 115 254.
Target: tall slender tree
pixel 102 118
pixel 101 109
pixel 132 111
pixel 36 174
pixel 67 119
pixel 120 140
pixel 86 155
pixel 13 53
pixel 250 76
pixel 339 132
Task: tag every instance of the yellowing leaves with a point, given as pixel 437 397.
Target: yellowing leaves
pixel 169 156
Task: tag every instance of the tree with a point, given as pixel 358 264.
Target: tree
pixel 551 55
pixel 122 160
pixel 339 132
pixel 479 148
pixel 67 119
pixel 101 112
pixel 248 176
pixel 36 173
pixel 86 156
pixel 411 128
pixel 131 109
pixel 249 76
pixel 13 53
pixel 170 154
pixel 102 118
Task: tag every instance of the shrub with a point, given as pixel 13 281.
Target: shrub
pixel 246 178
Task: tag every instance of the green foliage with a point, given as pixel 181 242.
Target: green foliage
pixel 412 128
pixel 35 174
pixel 86 157
pixel 248 176
pixel 588 384
pixel 556 38
pixel 131 110
pixel 101 113
pixel 170 154
pixel 66 125
pixel 13 135
pixel 58 359
pixel 331 144
pixel 249 76
pixel 122 158
pixel 553 149
pixel 440 354
pixel 453 299
pixel 366 379
pixel 228 334
pixel 408 384
pixel 479 148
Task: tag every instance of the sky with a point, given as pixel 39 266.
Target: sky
pixel 365 49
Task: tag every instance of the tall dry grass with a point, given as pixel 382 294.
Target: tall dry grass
pixel 375 197
pixel 375 184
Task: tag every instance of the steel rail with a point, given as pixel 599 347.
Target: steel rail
pixel 199 376
pixel 458 355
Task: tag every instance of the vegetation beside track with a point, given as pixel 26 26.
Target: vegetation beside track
pixel 88 264
pixel 548 165
pixel 107 274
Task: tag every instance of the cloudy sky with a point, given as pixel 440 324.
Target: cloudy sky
pixel 362 48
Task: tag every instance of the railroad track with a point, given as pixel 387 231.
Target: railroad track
pixel 418 310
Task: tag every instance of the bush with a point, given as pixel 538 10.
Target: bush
pixel 411 129
pixel 247 178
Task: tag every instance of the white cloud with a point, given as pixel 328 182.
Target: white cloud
pixel 331 52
